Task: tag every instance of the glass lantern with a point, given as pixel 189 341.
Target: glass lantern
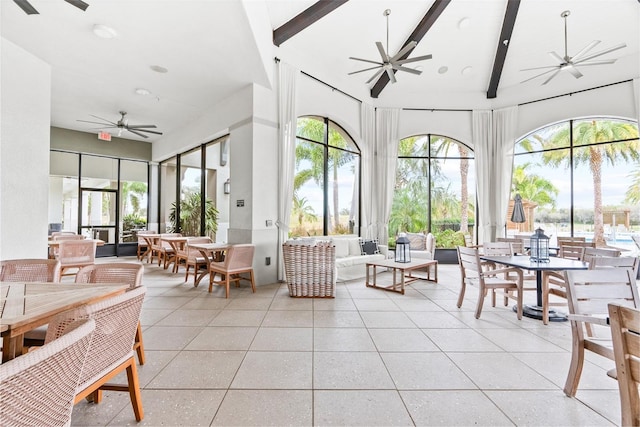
pixel 539 246
pixel 403 254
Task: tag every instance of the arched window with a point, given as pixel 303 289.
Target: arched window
pixel 326 185
pixel 435 189
pixel 582 178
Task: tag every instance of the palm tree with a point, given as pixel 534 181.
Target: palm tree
pixel 632 195
pixel 190 208
pixel 302 210
pixel 586 136
pixel 443 148
pixel 533 187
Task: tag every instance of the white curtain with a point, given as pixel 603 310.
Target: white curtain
pixel 385 170
pixel 287 119
pixel 368 168
pixel 636 92
pixel 493 139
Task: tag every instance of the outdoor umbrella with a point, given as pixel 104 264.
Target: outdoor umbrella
pixel 518 211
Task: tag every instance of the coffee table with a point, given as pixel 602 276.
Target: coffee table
pixel 405 269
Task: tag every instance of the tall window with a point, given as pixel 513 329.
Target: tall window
pixel 326 185
pixel 435 189
pixel 582 178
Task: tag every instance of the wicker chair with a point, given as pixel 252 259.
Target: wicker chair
pixel 76 254
pixel 30 270
pixel 163 250
pixel 239 259
pixel 38 388
pixel 117 272
pixel 143 246
pixel 111 350
pixel 191 257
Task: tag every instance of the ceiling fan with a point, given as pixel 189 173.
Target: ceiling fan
pixel 569 63
pixel 123 124
pixel 30 10
pixel 393 63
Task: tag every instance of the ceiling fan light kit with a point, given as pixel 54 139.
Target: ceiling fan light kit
pixel 569 63
pixel 389 63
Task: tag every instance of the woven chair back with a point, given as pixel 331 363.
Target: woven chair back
pixel 30 270
pixel 115 272
pixel 191 253
pixel 68 237
pixel 239 257
pixel 39 387
pixel 77 253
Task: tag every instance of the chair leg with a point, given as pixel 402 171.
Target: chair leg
pixel 211 276
pixel 138 345
pixel 480 302
pixel 134 390
pixel 545 299
pixel 227 280
pixel 186 273
pixel 253 283
pixel 519 303
pixel 575 368
pixel 461 295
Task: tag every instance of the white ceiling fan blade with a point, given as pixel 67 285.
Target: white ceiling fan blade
pixel 410 46
pixel 539 68
pixel 417 58
pixel 108 121
pixel 360 71
pixel 383 54
pixel 602 52
pixel 551 76
pixel 541 74
pixel 598 62
pixel 376 75
pixel 573 71
pixel 138 133
pixel 392 76
pixel 407 69
pixel 141 126
pixel 584 51
pixel 557 57
pixel 366 60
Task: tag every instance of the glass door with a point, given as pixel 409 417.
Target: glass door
pixel 98 217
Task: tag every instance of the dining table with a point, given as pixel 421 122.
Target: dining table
pixel 151 240
pixel 26 306
pixel 526 263
pixel 209 251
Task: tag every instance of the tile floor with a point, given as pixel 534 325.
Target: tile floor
pixel 366 358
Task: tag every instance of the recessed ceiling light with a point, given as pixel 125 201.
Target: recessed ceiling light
pixel 466 71
pixel 464 23
pixel 143 91
pixel 158 69
pixel 443 69
pixel 104 32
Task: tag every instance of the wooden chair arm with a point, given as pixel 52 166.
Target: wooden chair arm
pixel 604 321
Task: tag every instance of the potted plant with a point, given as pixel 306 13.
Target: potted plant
pixel 190 208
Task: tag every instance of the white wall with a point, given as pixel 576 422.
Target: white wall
pixel 25 115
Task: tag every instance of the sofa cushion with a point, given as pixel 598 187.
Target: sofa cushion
pixel 342 247
pixel 354 246
pixel 369 247
pixel 417 241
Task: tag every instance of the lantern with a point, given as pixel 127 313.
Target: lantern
pixel 539 246
pixel 403 254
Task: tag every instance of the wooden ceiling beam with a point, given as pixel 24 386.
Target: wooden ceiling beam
pixel 304 19
pixel 418 33
pixel 503 45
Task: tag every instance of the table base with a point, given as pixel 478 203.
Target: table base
pixel 535 312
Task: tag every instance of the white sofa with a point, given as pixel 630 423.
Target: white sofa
pixel 350 263
pixel 421 246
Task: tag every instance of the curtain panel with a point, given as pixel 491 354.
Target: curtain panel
pixel 368 158
pixel 385 173
pixel 287 120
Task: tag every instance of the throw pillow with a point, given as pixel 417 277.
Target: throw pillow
pixel 369 247
pixel 417 241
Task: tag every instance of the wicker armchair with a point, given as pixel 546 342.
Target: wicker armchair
pixel 30 270
pixel 116 272
pixel 111 349
pixel 191 257
pixel 143 246
pixel 76 254
pixel 163 250
pixel 239 259
pixel 310 270
pixel 38 388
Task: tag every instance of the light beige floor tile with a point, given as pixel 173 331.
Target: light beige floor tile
pixel 181 317
pixel 283 339
pixel 274 370
pixel 151 316
pixel 604 402
pixel 292 304
pixel 288 318
pixel 166 302
pixel 199 370
pixel 169 337
pixel 375 304
pixel 460 340
pixel 239 318
pixel 206 302
pixel 90 414
pixel 359 408
pixel 362 292
pixel 337 319
pixel 434 320
pixel 417 304
pixel 545 408
pixel 453 408
pixel 518 341
pixel 340 304
pixel 265 408
pixel 175 408
pixel 350 370
pixel 400 340
pixel 342 339
pixel 425 371
pixel 491 371
pixel 389 319
pixel 155 361
pixel 223 338
pixel 249 304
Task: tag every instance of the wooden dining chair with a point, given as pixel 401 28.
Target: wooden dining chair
pixel 507 247
pixel 588 293
pixel 30 270
pixel 163 250
pixel 238 260
pixel 143 246
pixel 117 272
pixel 111 348
pixel 486 278
pixel 588 253
pixel 76 254
pixel 625 334
pixel 38 388
pixel 191 257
